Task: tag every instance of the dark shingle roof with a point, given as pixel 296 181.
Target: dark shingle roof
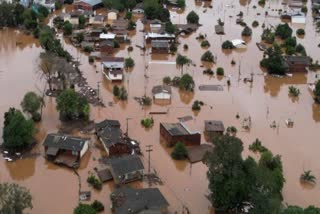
pixel 214 125
pixel 159 43
pixel 175 129
pixel 297 60
pixel 161 88
pixel 109 132
pixel 138 200
pixel 64 142
pixel 124 165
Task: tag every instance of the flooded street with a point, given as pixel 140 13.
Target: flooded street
pixel 55 189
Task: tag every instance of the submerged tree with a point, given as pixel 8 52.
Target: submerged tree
pixel 84 209
pixel 193 18
pixel 316 92
pixel 129 63
pixel 181 61
pixel 31 103
pixel 207 57
pixel 14 199
pixel 307 177
pixel 186 83
pixel 273 61
pixel 179 152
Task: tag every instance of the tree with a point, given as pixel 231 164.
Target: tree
pixel 181 3
pixel 170 28
pixel 316 92
pixel 228 181
pixel 123 95
pixel 132 25
pixel 220 71
pixel 116 91
pixel 179 152
pixel 154 10
pixel 293 91
pixel 227 45
pixel 193 18
pixel 207 57
pixel 312 210
pixel 273 61
pixel 268 36
pixel 293 210
pixel 67 28
pixel 307 177
pixel 205 44
pixel 300 32
pixel 17 130
pixel 82 21
pixel 14 198
pixel 72 106
pixel 84 209
pixel 128 63
pixel 186 83
pixel 247 31
pixel 97 205
pixel 181 61
pixel 283 31
pixel 31 102
pixel 147 122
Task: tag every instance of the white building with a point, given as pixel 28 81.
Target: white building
pixel 161 92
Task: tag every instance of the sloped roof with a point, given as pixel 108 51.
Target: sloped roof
pixel 161 89
pixel 126 164
pixel 64 142
pixel 214 125
pixel 138 200
pixel 159 43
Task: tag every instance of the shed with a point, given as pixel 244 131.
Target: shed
pixel 297 63
pixel 213 128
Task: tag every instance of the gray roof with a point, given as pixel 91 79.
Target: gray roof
pixel 298 60
pixel 160 43
pixel 64 142
pixel 93 2
pixel 219 29
pixel 109 132
pixel 126 164
pixel 139 6
pixel 161 89
pixel 113 62
pixel 214 125
pixel 175 129
pixel 138 200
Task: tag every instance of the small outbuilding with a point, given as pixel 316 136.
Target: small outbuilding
pixel 238 43
pixel 213 128
pixel 126 169
pixel 297 63
pixel 178 132
pixel 161 92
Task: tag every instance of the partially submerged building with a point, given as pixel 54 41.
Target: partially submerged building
pixel 97 20
pixel 129 200
pixel 64 149
pixel 219 29
pixel 88 5
pixel 126 169
pixel 106 47
pixel 178 132
pixel 157 36
pixel 161 92
pixel 111 137
pixel 112 67
pixel 297 63
pixel 138 9
pixel 213 128
pixel 160 46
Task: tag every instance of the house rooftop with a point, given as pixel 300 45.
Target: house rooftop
pixel 214 125
pixel 161 89
pixel 65 142
pixel 298 60
pixel 126 164
pixel 109 132
pixel 138 200
pixel 92 2
pixel 177 129
pixel 159 43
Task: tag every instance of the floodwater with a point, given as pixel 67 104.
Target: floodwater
pixel 55 189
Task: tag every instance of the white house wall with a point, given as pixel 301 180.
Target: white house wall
pixel 84 149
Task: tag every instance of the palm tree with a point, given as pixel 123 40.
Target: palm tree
pixel 181 61
pixel 307 177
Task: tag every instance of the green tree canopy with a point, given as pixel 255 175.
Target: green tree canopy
pixel 207 57
pixel 283 31
pixel 84 209
pixel 17 130
pixel 186 83
pixel 14 198
pixel 316 92
pixel 128 63
pixel 193 18
pixel 179 152
pixel 67 28
pixel 72 106
pixel 154 10
pixel 31 102
pixel 170 28
pixel 274 61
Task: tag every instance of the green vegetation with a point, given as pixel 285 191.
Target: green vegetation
pixel 88 49
pixel 72 106
pixel 220 71
pixel 293 91
pixel 147 122
pixel 14 199
pixel 283 31
pixel 31 103
pixel 247 31
pixel 316 92
pixel 257 146
pixel 185 47
pixel 193 18
pixel 67 28
pixel 166 80
pixel 196 106
pixel 128 15
pixel 186 83
pixel 307 177
pixel 304 9
pixel 300 32
pixel 181 61
pixel 299 210
pixel 300 50
pixel 120 93
pixel 97 206
pixel 132 25
pixel 129 63
pixel 207 57
pixel 262 2
pixel 94 182
pixel 17 131
pixel 79 37
pixel 82 21
pixel 179 152
pixel 234 180
pixel 255 23
pixel 173 48
pixel 205 44
pixel 181 3
pixel 84 209
pixel 268 36
pixel 91 59
pixel 146 101
pixel 227 45
pixel 170 28
pixel 154 10
pixel 273 61
pixel 208 71
pixel 231 130
pixel 120 5
pixel 116 91
pixel 58 5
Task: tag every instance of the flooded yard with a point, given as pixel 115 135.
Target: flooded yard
pixel 55 189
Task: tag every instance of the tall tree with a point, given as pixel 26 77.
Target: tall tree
pixel 181 61
pixel 14 198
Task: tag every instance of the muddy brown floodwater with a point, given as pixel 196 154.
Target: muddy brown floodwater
pixel 55 189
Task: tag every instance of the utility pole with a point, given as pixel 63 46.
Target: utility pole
pixel 127 128
pixel 98 89
pixel 149 149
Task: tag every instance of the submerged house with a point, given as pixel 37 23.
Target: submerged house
pixel 161 92
pixel 97 20
pixel 110 135
pixel 64 149
pixel 186 28
pixel 178 132
pixel 297 63
pixel 157 36
pixel 106 47
pixel 138 9
pixel 213 128
pixel 112 67
pixel 126 169
pixel 160 46
pixel 130 200
pixel 88 5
